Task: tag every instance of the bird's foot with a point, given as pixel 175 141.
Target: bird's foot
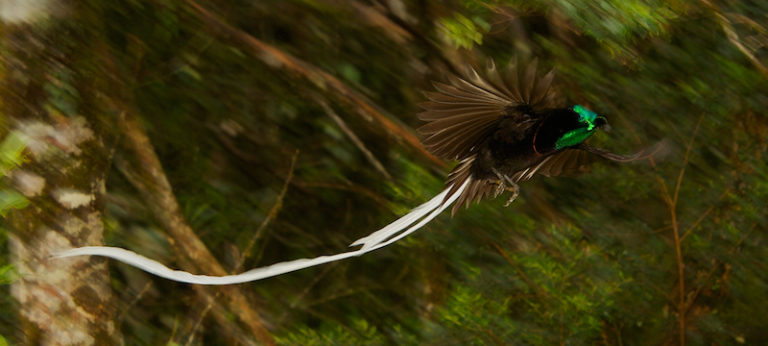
pixel 506 184
pixel 500 187
pixel 515 189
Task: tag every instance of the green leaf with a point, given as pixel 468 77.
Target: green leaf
pixel 11 199
pixel 7 275
pixel 461 31
pixel 11 150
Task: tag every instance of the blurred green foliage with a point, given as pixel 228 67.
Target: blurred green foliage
pixel 463 32
pixel 580 260
pixel 11 156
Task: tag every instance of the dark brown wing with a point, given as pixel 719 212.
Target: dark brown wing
pixel 656 151
pixel 567 161
pixel 575 160
pixel 563 162
pixel 479 189
pixel 461 113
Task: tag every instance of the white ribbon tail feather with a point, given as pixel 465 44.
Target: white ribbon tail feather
pixel 421 223
pixel 408 219
pixel 151 266
pixel 376 240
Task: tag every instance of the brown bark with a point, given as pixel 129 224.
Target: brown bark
pixel 59 302
pixel 276 58
pixel 156 190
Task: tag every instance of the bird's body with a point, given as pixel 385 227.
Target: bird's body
pixel 502 127
pixel 511 147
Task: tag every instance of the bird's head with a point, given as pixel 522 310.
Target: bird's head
pixel 587 123
pixel 589 118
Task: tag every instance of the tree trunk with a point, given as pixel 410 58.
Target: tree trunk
pixel 51 97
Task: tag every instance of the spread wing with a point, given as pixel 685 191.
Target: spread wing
pixel 563 162
pixel 656 151
pixel 567 161
pixel 576 159
pixel 462 112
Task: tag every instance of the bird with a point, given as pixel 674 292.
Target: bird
pixel 503 126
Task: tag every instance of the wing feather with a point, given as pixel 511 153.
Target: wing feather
pixel 529 80
pixel 568 161
pixel 575 160
pixel 656 151
pixel 461 113
pixel 453 142
pixel 466 109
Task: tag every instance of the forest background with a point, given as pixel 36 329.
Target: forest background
pixel 222 136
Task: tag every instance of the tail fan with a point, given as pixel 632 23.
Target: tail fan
pixel 376 240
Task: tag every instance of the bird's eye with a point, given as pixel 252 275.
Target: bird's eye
pixel 601 121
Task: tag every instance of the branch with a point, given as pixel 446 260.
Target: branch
pixel 685 160
pixel 734 38
pixel 270 216
pixel 370 15
pixel 672 201
pixel 155 188
pixel 356 140
pixel 276 58
pixel 249 247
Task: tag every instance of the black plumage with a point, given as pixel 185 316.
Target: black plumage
pixel 504 127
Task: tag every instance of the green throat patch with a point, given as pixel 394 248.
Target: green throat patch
pixel 578 135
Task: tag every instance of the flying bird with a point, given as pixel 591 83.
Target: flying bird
pixel 503 126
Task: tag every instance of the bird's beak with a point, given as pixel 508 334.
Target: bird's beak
pixel 602 123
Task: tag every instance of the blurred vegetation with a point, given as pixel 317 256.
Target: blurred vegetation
pixel 11 156
pixel 593 259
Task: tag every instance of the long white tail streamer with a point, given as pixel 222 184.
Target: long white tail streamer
pixel 376 240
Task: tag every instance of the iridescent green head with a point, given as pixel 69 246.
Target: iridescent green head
pixel 589 122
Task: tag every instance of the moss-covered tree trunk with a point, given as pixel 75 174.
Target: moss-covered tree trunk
pixel 51 99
